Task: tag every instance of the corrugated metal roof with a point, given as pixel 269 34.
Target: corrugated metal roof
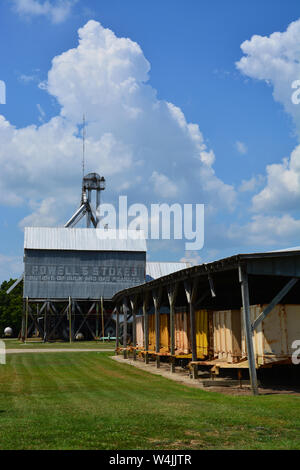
pixel 294 248
pixel 284 263
pixel 154 270
pixel 83 239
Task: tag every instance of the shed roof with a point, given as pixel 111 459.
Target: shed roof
pixel 154 270
pixel 83 239
pixel 279 264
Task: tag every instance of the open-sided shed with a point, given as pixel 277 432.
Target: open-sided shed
pixel 236 282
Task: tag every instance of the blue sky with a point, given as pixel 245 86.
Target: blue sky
pixel 178 64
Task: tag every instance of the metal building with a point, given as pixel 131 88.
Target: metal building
pixel 71 275
pixel 82 264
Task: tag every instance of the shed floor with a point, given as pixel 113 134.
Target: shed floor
pixel 224 385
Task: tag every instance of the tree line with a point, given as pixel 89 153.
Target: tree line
pixel 11 306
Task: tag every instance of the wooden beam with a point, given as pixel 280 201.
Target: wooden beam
pixel 64 312
pixel 85 317
pixel 97 319
pixel 26 318
pixel 102 318
pixel 274 302
pixel 45 321
pixel 211 286
pixel 35 322
pixel 125 312
pixel 157 296
pixel 146 325
pixel 172 293
pixel 191 288
pixel 70 319
pixel 76 305
pixel 134 308
pixel 117 327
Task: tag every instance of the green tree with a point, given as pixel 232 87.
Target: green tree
pixel 11 306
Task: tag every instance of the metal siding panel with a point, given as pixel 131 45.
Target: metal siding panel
pixel 164 332
pixel 182 344
pixel 277 266
pixel 140 332
pixel 152 339
pixel 201 317
pixel 292 326
pixel 275 335
pixel 227 335
pixel 81 275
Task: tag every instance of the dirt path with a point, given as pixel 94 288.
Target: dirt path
pixel 181 376
pixel 48 350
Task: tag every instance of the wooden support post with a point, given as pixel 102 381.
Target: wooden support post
pixel 26 318
pixel 134 304
pixel 157 295
pixel 34 319
pixel 74 305
pixel 190 291
pixel 211 286
pixel 125 311
pixel 102 319
pixel 243 278
pixel 97 320
pixel 47 309
pixel 23 321
pixel 70 320
pixel 146 327
pixel 283 292
pixel 85 320
pixel 172 292
pixel 117 328
pixel 64 312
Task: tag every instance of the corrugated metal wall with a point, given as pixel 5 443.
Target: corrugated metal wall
pixel 164 332
pixel 275 335
pixel 51 274
pixel 140 332
pixel 152 339
pixel 227 335
pixel 182 336
pixel 201 317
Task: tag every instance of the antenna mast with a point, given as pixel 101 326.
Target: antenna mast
pixel 83 146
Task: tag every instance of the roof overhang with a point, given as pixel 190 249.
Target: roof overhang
pixel 284 264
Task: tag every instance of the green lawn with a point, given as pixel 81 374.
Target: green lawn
pixel 88 401
pixel 34 344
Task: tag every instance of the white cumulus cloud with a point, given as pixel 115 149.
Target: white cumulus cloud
pixel 56 10
pixel 266 231
pixel 275 59
pixel 252 184
pixel 139 143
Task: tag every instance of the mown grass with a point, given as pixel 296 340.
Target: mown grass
pixel 34 344
pixel 88 401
